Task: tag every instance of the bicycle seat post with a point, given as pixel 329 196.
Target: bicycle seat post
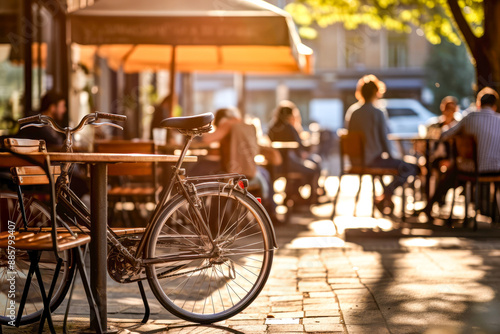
pixel 189 139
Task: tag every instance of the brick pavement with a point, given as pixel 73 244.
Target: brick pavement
pixel 321 283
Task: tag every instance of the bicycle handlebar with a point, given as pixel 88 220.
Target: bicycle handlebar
pixel 113 117
pixel 43 120
pixel 92 119
pixel 30 119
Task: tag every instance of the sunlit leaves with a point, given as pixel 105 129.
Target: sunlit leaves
pixel 300 13
pixel 308 32
pixel 432 16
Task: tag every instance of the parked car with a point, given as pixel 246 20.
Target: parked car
pixel 405 115
pixel 328 113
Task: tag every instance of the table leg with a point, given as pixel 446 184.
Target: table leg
pixel 98 244
pixel 428 175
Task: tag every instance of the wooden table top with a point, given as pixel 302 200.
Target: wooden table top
pixel 9 160
pixel 284 144
pixel 408 137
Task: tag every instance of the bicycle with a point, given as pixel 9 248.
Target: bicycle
pixel 206 251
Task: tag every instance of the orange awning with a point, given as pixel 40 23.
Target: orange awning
pixel 248 36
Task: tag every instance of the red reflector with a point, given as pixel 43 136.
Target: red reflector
pixel 241 184
pixel 259 199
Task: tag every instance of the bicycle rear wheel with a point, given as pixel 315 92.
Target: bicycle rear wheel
pixel 37 215
pixel 207 289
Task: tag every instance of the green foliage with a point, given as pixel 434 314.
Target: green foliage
pixel 432 16
pixel 449 72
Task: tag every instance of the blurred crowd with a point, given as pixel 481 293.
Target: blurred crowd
pixel 285 153
pixel 482 123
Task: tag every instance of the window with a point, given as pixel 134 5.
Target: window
pixel 354 49
pixel 397 50
pixel 396 112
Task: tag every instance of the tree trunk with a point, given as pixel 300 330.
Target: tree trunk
pixel 486 74
pixel 487 49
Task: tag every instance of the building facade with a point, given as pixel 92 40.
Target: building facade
pixel 341 57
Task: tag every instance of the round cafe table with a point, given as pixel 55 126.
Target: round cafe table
pixel 98 207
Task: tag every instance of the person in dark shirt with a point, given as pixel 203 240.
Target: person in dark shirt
pixel 285 128
pixel 484 125
pixel 371 121
pixel 53 105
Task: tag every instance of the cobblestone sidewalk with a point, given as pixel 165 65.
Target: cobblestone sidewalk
pixel 322 284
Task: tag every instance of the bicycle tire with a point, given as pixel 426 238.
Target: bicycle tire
pixel 37 216
pixel 237 260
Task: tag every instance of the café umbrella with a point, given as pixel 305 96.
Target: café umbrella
pixel 245 36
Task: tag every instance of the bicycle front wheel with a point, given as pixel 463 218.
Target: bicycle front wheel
pixel 209 288
pixel 37 216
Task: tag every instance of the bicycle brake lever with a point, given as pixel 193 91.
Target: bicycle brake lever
pixel 99 124
pixel 36 125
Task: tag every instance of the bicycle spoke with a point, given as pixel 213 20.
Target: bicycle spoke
pixel 251 272
pixel 235 270
pixel 234 225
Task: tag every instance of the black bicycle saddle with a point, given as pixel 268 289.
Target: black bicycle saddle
pixel 188 122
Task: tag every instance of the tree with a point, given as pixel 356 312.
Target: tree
pixel 444 79
pixel 474 22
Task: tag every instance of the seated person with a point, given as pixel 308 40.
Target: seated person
pixel 440 151
pixel 449 117
pixel 372 122
pixel 53 105
pixel 286 127
pixel 211 163
pixel 484 125
pixel 238 147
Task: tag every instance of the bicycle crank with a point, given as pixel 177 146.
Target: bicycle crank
pixel 122 269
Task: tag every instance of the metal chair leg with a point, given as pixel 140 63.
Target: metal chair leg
pixel 52 287
pixel 66 312
pixel 467 200
pixel 88 291
pixel 496 199
pixel 491 202
pixel 336 198
pixel 356 200
pixel 403 204
pixel 145 301
pixel 46 302
pixel 476 204
pixel 71 290
pixel 29 277
pixel 21 206
pixel 373 196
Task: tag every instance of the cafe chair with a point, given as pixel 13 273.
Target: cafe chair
pixel 352 147
pixel 465 150
pixel 131 182
pixel 35 241
pixel 294 180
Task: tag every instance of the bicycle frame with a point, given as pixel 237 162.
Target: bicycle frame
pixel 69 199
